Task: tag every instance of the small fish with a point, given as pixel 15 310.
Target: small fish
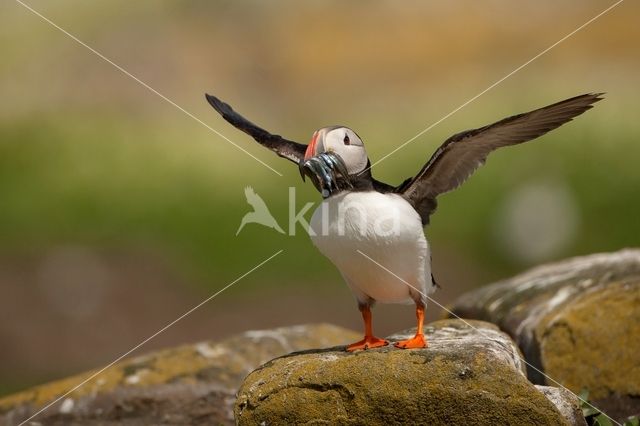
pixel 323 170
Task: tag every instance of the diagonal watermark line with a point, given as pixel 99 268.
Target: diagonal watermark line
pixel 484 335
pixel 495 84
pixel 162 330
pixel 127 73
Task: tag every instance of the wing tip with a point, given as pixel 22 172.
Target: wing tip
pixel 220 106
pixel 595 96
pixel 576 105
pixel 590 98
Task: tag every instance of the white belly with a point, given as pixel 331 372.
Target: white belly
pixel 351 227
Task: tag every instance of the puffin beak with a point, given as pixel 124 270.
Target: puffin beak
pixel 311 148
pixel 310 152
pixel 322 167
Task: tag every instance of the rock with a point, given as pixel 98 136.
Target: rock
pixel 466 376
pixel 566 402
pixel 191 384
pixel 577 321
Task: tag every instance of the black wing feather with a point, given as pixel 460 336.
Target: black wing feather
pixel 292 151
pixel 385 187
pixel 460 155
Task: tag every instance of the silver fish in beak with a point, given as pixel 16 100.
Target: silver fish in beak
pixel 327 171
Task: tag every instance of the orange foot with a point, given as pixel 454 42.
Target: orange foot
pixel 416 342
pixel 369 342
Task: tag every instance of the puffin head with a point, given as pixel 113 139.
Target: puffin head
pixel 341 141
pixel 333 159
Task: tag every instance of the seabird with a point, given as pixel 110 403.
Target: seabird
pixel 362 220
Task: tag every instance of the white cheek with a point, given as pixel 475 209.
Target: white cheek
pixel 354 156
pixel 355 159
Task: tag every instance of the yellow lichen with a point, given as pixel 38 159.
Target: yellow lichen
pixel 229 360
pixel 593 341
pixel 446 385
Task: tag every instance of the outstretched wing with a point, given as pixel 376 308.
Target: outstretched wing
pixel 460 155
pixel 290 150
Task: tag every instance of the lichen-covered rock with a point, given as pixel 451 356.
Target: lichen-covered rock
pixel 577 321
pixel 466 376
pixel 191 384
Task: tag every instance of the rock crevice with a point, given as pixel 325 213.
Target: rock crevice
pixel 577 323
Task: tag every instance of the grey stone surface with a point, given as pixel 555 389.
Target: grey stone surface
pixel 566 402
pixel 191 384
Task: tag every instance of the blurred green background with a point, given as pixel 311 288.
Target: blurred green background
pixel 118 212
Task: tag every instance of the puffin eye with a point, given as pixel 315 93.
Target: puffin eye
pixel 346 140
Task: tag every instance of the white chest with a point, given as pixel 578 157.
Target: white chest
pixel 353 229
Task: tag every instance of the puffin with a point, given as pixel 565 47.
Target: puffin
pixel 373 232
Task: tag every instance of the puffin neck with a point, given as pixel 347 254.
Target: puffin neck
pixel 362 181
